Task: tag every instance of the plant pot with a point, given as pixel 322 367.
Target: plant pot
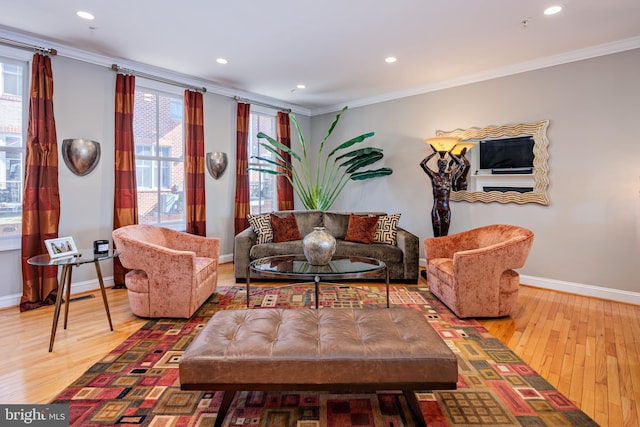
pixel 319 246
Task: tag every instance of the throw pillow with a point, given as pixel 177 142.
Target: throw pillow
pixel 387 229
pixel 285 228
pixel 261 225
pixel 361 228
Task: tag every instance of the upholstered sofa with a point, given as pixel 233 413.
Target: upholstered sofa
pixel 172 273
pixel 400 252
pixel 472 272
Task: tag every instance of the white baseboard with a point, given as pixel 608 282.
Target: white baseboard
pixel 582 289
pixel 76 288
pixel 576 288
pixel 85 286
pixel 540 282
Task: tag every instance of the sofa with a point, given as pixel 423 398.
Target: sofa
pixel 472 272
pixel 172 273
pixel 400 250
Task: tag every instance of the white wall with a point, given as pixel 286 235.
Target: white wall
pixel 84 108
pixel 590 232
pixel 586 239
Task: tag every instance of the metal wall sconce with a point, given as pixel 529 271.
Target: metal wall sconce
pixel 216 163
pixel 81 155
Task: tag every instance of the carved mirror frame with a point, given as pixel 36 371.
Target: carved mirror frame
pixel 540 168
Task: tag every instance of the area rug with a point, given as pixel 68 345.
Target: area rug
pixel 137 383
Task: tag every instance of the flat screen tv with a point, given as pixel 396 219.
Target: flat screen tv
pixel 508 153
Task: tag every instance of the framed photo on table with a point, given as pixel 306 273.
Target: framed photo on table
pixel 61 247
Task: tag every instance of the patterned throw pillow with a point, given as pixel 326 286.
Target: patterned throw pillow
pixel 285 228
pixel 387 229
pixel 261 225
pixel 361 228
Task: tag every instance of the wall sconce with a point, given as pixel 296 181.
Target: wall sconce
pixel 81 155
pixel 216 163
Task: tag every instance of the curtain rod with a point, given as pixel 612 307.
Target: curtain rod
pixel 26 46
pixel 262 104
pixel 119 69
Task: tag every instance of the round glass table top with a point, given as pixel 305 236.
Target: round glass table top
pixel 298 265
pixel 83 256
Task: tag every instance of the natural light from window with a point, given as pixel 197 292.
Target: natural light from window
pixel 159 142
pixel 12 136
pixel 262 186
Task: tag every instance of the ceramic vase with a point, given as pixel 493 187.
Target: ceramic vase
pixel 319 246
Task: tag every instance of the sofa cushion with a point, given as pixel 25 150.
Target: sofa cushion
pixel 361 228
pixel 385 253
pixel 307 221
pixel 273 249
pixel 261 225
pixel 336 224
pixel 387 229
pixel 284 228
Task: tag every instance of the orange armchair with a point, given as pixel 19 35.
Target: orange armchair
pixel 172 273
pixel 472 272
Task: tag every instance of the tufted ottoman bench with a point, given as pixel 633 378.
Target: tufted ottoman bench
pixel 360 350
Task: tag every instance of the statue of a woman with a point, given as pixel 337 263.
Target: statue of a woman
pixel 441 184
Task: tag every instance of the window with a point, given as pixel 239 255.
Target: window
pixel 262 186
pixel 159 145
pixel 13 109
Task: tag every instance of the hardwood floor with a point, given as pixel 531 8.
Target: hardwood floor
pixel 589 349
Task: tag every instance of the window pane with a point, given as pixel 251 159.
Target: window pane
pixel 159 159
pixel 262 186
pixel 12 107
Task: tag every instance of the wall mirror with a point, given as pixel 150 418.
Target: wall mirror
pixel 482 183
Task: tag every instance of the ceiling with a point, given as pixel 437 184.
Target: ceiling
pixel 335 47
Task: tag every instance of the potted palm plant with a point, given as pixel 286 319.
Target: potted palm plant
pixel 333 171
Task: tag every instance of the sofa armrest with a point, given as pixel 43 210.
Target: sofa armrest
pixel 244 241
pixel 410 246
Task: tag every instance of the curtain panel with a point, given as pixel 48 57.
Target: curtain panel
pixel 125 199
pixel 194 163
pixel 242 208
pixel 284 189
pixel 41 198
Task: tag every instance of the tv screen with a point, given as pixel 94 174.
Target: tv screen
pixel 508 153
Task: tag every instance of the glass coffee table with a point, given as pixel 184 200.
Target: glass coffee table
pixel 296 267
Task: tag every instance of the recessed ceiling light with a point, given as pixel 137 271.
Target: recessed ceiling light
pixel 301 86
pixel 222 61
pixel 85 15
pixel 390 59
pixel 552 10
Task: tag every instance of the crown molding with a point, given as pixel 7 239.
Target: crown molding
pixel 550 61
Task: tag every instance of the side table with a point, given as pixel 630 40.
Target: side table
pixel 84 256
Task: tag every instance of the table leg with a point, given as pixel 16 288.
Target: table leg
pixel 387 283
pixel 316 281
pixel 56 313
pixel 248 284
pixel 67 282
pixel 104 293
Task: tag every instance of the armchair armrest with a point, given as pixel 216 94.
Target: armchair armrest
pixel 208 247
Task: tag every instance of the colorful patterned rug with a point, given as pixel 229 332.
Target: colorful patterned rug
pixel 137 383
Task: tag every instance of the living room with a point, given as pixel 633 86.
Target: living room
pixel 586 239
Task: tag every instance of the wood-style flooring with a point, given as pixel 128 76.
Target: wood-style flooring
pixel 589 349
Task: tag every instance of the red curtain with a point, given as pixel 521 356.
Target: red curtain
pixel 41 199
pixel 194 163
pixel 284 189
pixel 125 199
pixel 242 163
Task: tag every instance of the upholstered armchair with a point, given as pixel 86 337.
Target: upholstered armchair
pixel 172 273
pixel 472 272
